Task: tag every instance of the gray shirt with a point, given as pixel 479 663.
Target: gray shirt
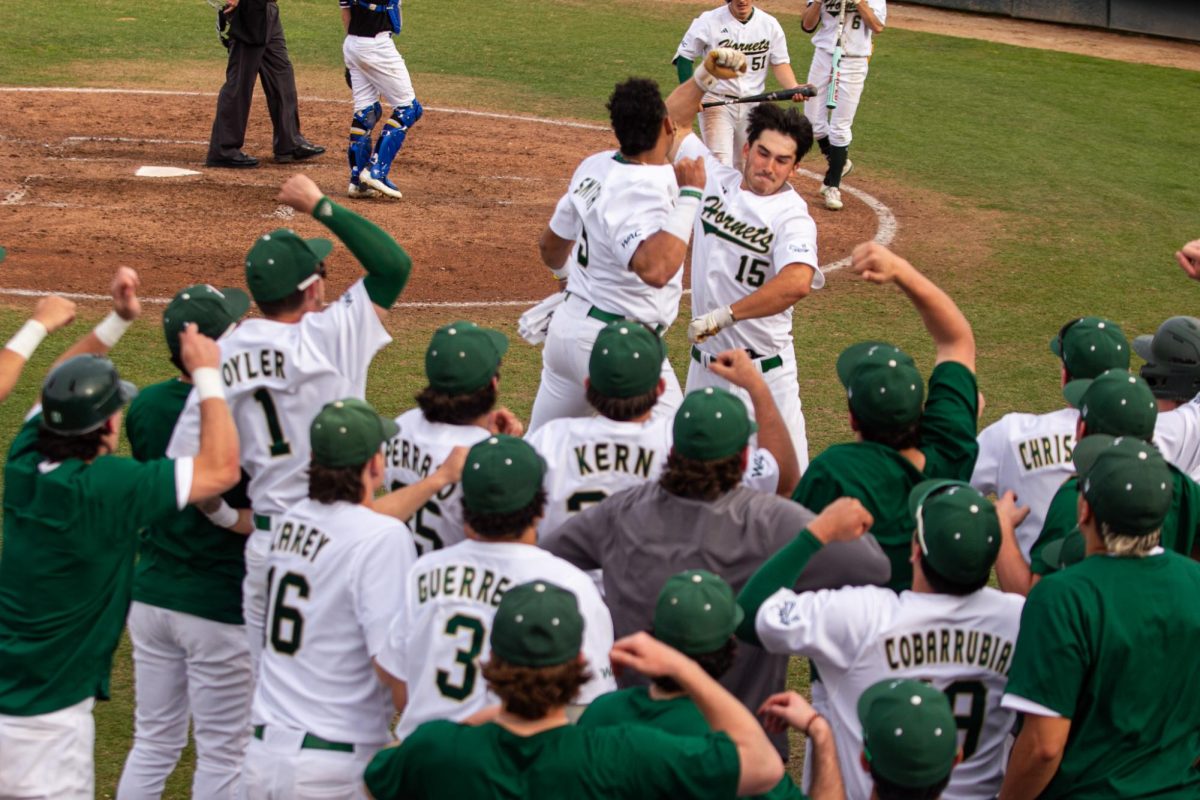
pixel 644 535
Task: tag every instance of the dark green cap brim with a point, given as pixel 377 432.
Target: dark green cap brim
pixel 925 488
pixel 320 247
pixel 1075 390
pixel 1066 551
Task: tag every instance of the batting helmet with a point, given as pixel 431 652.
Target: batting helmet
pixel 1175 344
pixel 81 393
pixel 1171 383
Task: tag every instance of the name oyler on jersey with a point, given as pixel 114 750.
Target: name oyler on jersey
pixel 250 365
pixel 462 581
pixel 593 457
pixel 949 646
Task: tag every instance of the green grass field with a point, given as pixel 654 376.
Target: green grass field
pixel 1065 176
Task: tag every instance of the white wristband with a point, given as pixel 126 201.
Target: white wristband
pixel 562 272
pixel 225 516
pixel 683 217
pixel 208 384
pixel 703 78
pixel 26 340
pixel 111 329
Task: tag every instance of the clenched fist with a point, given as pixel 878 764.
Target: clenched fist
pixel 709 325
pixel 725 63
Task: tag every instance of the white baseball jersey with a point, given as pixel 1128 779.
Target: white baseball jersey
pixel 442 635
pixel 418 450
pixel 336 581
pixel 856 36
pixel 611 207
pixel 760 38
pixel 860 636
pixel 277 377
pixel 590 458
pixel 741 241
pixel 1177 435
pixel 1031 455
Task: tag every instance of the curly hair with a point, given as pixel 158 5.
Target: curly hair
pixel 457 409
pixel 330 484
pixel 531 692
pixel 58 447
pixel 637 110
pixel 787 121
pixel 506 526
pixel 716 663
pixel 693 479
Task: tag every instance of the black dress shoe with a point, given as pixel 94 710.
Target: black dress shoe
pixel 303 152
pixel 240 161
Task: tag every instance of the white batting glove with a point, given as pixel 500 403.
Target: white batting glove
pixel 720 64
pixel 710 324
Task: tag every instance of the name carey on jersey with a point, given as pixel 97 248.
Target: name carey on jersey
pixel 716 220
pixel 299 539
pixel 249 365
pixel 609 457
pixel 462 581
pixel 948 646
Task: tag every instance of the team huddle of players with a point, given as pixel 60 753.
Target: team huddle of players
pixel 599 605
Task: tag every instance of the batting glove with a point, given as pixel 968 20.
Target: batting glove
pixel 720 64
pixel 710 324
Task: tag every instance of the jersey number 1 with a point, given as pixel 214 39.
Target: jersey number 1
pixel 279 445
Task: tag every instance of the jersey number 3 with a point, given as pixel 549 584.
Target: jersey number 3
pixel 464 656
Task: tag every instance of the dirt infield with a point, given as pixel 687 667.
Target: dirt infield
pixel 71 208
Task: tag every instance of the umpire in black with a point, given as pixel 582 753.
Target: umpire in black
pixel 257 48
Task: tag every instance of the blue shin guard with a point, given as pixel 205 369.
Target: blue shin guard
pixel 359 151
pixel 395 130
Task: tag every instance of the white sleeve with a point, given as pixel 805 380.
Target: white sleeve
pixel 992 440
pixel 392 657
pixel 880 9
pixel 693 44
pixel 378 589
pixel 831 625
pixel 796 243
pixel 1019 704
pixel 779 50
pixel 635 215
pixel 762 471
pixel 565 222
pixel 597 639
pixel 185 469
pixel 349 332
pixel 691 146
pixel 185 439
pixel 1177 436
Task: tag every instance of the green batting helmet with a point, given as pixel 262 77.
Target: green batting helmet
pixel 81 393
pixel 1173 358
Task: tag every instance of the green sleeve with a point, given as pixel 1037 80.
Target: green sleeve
pixel 385 261
pixel 818 487
pixel 1051 657
pixel 1061 518
pixel 685 68
pixel 781 571
pixel 948 423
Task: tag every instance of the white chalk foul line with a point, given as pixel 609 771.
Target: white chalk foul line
pixel 162 301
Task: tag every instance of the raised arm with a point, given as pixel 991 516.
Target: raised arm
pixel 811 17
pixel 869 18
pixel 216 467
pixel 660 256
pixel 951 333
pixel 790 710
pixel 51 314
pixel 126 308
pixel 385 261
pixel 1012 572
pixel 403 503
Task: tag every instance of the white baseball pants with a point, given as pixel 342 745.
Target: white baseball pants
pixel 49 756
pixel 835 123
pixel 785 389
pixel 377 70
pixel 186 666
pixel 565 359
pixel 724 129
pixel 277 768
pixel 254 595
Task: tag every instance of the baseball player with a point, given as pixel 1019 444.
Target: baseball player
pixel 51 313
pixel 298 356
pixel 903 437
pixel 455 410
pixel 1172 370
pixel 754 254
pixel 951 630
pixel 336 579
pixel 1108 710
pixel 906 748
pixel 592 458
pixel 437 641
pixel 375 68
pixel 697 615
pixel 190 656
pixel 625 223
pixel 759 37
pixel 536 666
pixel 72 511
pixel 1030 454
pixel 847 28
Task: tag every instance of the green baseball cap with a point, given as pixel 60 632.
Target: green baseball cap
pixel 213 310
pixel 281 262
pixel 347 433
pixel 462 357
pixel 1126 481
pixel 626 360
pixel 537 624
pixel 696 612
pixel 1062 553
pixel 81 393
pixel 502 474
pixel 1091 345
pixel 712 424
pixel 909 733
pixel 1116 403
pixel 882 384
pixel 957 529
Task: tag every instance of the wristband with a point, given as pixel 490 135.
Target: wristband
pixel 703 78
pixel 682 218
pixel 224 517
pixel 208 384
pixel 26 340
pixel 111 329
pixel 562 273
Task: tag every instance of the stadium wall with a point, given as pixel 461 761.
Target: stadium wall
pixel 1178 19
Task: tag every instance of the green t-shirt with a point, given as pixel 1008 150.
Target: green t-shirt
pixel 1179 530
pixel 67 569
pixel 1111 645
pixel 444 759
pixel 186 563
pixel 677 715
pixel 881 478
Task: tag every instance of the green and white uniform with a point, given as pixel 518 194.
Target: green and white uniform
pixel 1110 644
pixel 445 759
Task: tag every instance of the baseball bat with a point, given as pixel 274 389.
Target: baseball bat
pixel 836 67
pixel 778 94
